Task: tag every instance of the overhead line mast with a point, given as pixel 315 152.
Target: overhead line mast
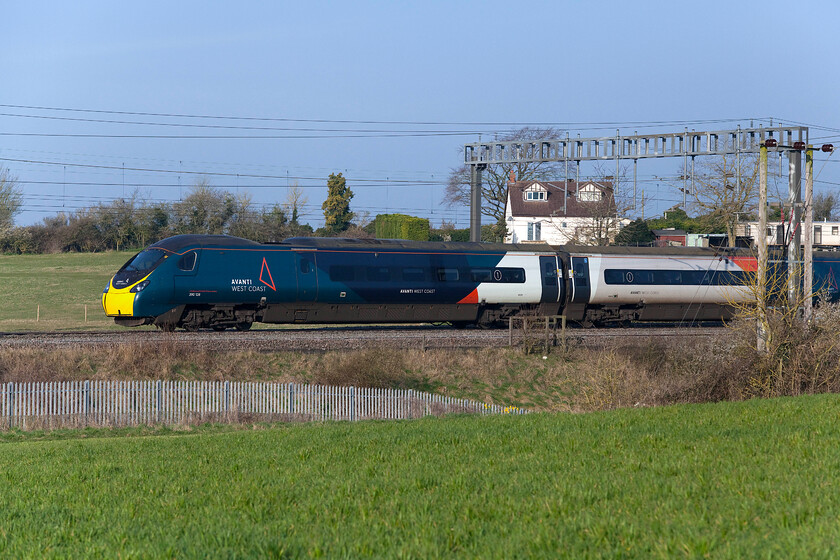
pixel 685 144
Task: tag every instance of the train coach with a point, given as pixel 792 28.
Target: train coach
pixel 220 282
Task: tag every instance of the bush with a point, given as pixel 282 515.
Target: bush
pixel 400 226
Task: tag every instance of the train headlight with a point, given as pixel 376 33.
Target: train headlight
pixel 139 287
pixel 107 287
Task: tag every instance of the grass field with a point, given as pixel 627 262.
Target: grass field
pixel 729 480
pixel 61 285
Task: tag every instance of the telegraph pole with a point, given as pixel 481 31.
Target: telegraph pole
pixel 794 249
pixel 808 284
pixel 761 238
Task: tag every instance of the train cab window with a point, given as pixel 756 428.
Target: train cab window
pixel 414 274
pixel 342 274
pixel 305 265
pixel 145 261
pixel 447 275
pixel 187 262
pixel 378 274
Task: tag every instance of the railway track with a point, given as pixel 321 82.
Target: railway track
pixel 321 339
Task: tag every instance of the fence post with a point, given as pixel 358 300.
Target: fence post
pixel 159 398
pixel 291 398
pixel 227 396
pixel 11 402
pixel 410 403
pixel 352 403
pixel 86 400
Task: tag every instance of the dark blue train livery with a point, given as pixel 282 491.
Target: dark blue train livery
pixel 219 282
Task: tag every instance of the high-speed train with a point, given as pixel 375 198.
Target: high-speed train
pixel 219 282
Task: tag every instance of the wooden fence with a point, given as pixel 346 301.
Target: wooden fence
pixel 130 403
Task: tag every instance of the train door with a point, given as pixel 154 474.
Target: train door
pixel 307 278
pixel 550 285
pixel 579 270
pixel 184 277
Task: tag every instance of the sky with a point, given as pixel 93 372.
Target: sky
pixel 101 100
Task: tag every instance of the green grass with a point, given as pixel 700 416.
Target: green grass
pixel 729 480
pixel 61 285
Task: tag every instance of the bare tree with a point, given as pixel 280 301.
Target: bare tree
pixel 495 179
pixel 295 200
pixel 204 210
pixel 11 199
pixel 604 216
pixel 825 206
pixel 714 188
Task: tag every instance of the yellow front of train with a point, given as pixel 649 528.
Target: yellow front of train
pixel 119 299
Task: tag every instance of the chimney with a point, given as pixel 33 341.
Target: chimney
pixel 512 177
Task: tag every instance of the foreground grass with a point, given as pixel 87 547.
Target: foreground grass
pixel 749 479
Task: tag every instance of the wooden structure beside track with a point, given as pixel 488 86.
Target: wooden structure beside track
pixel 545 326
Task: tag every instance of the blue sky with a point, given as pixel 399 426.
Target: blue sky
pixel 597 66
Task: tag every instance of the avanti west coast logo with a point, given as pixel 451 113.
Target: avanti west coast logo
pixel 247 285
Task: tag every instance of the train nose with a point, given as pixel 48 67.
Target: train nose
pixel 118 303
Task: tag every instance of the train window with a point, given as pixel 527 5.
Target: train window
pixel 342 274
pixel 414 274
pixel 675 277
pixel 378 274
pixel 509 275
pixel 305 266
pixel 580 274
pixel 613 276
pixel 447 275
pixel 187 262
pixel 145 260
pixel 669 277
pixel 549 274
pixel 481 275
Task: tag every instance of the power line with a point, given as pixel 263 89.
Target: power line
pixel 425 123
pixel 233 136
pixel 200 173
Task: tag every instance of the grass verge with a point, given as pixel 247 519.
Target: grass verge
pixel 725 480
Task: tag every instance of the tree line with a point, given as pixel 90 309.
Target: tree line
pixel 131 222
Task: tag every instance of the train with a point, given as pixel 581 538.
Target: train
pixel 223 282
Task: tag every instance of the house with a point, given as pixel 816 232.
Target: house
pixel 560 212
pixel 826 235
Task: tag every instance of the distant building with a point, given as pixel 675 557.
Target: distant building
pixel 669 237
pixel 826 235
pixel 560 212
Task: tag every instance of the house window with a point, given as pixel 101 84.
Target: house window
pixel 562 224
pixel 818 235
pixel 535 195
pixel 834 230
pixel 769 232
pixel 534 231
pixel 589 196
pixel 747 230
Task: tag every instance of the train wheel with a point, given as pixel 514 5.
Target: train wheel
pixel 167 327
pixel 219 328
pixel 190 327
pixel 243 325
